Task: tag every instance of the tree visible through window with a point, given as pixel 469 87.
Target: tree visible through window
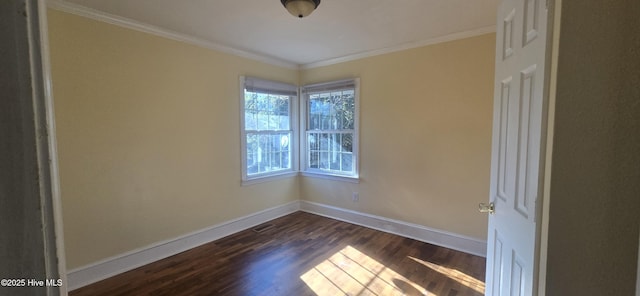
pixel 273 144
pixel 268 127
pixel 331 128
pixel 268 130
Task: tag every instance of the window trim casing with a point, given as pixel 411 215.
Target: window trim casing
pixel 304 103
pixel 293 126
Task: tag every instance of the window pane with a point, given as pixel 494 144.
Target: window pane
pixel 319 111
pixel 347 162
pixel 332 111
pixel 282 105
pixel 262 111
pixel 250 119
pixel 347 142
pixel 266 112
pixel 331 127
pixel 344 106
pixel 330 151
pixel 325 122
pixel 268 152
pixel 254 154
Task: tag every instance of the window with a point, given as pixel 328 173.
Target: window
pixel 330 128
pixel 268 115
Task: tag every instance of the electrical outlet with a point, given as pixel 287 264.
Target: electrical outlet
pixel 355 197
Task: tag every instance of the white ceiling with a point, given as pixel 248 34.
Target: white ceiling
pixel 337 29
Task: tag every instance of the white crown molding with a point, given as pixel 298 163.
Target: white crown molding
pixel 80 10
pixel 441 238
pixel 401 47
pixel 85 275
pixel 154 30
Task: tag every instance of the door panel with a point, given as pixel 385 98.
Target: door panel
pixel 516 152
pixel 496 262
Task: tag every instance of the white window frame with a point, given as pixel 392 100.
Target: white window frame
pixel 261 85
pixel 305 92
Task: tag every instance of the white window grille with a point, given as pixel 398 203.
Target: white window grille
pixel 330 128
pixel 268 121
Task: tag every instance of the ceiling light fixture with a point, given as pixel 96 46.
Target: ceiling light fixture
pixel 300 8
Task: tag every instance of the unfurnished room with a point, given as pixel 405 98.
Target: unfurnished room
pixel 307 147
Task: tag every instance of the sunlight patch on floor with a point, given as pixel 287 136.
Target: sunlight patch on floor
pixel 351 272
pixel 455 274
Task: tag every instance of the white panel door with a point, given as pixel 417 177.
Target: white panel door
pixel 518 125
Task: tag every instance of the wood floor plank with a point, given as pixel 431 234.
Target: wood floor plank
pixel 304 254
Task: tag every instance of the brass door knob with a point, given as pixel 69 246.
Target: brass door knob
pixel 486 208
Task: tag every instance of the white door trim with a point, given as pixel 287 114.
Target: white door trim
pixel 56 200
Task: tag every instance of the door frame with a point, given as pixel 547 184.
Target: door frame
pixel 56 198
pixel 551 73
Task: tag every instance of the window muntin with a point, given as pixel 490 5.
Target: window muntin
pixel 268 128
pixel 331 151
pixel 331 128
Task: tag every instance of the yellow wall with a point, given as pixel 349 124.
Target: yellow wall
pixel 425 139
pixel 149 139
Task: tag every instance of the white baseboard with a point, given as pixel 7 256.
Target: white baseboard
pixel 109 267
pixel 112 266
pixel 418 232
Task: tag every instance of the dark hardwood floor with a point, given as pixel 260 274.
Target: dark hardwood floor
pixel 304 254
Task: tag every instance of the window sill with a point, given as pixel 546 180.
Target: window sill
pixel 263 179
pixel 284 175
pixel 333 177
